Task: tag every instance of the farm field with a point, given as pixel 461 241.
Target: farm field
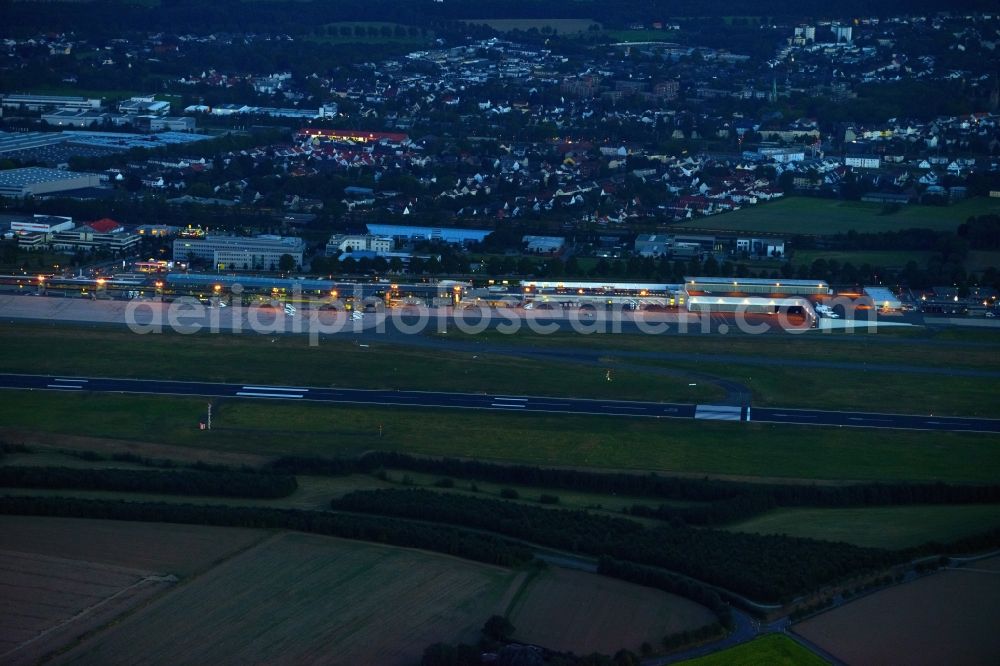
pixel 267 429
pixel 66 577
pixel 301 598
pixel 877 527
pixel 575 611
pixel 771 650
pixel 181 550
pixel 831 216
pixel 945 618
pixel 49 602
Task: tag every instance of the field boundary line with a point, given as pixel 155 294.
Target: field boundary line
pixel 152 578
pixel 180 584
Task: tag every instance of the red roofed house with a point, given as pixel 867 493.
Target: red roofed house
pixel 105 226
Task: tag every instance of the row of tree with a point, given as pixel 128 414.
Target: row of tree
pixel 437 538
pixel 770 568
pixel 719 501
pixel 211 483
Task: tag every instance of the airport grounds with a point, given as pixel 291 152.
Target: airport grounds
pixel 670 357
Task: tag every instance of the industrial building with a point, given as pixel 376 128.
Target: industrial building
pixel 883 299
pixel 543 244
pixel 240 252
pixel 407 234
pixel 75 118
pixel 144 105
pixel 37 180
pixel 41 224
pixel 45 102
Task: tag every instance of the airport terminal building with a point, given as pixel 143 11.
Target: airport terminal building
pixel 759 295
pixel 240 252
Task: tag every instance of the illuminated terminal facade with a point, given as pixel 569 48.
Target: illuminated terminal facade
pixel 716 294
pixel 629 294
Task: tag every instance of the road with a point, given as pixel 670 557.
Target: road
pixel 500 403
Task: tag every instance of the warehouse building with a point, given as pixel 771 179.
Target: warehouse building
pixel 32 181
pixel 41 224
pixel 75 118
pixel 452 235
pixel 883 299
pixel 44 102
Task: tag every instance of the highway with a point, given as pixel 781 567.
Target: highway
pixel 500 403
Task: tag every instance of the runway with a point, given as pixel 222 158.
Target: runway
pixel 500 403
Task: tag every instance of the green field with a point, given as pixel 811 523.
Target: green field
pixel 797 215
pixel 676 446
pixel 881 258
pixel 772 650
pixel 878 527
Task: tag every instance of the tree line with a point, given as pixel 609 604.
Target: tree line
pixel 722 501
pixel 764 567
pixel 436 538
pixel 214 483
pixel 661 580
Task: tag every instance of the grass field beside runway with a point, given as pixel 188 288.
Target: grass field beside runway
pixel 877 527
pixel 857 389
pixel 916 347
pixel 289 360
pixel 667 445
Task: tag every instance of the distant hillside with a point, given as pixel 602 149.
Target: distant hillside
pixel 107 17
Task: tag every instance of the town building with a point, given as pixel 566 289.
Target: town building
pixel 349 243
